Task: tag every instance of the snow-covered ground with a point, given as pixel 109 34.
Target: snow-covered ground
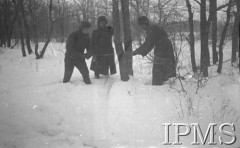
pixel 38 111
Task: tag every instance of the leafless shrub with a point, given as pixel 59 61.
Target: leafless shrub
pixel 226 112
pixel 234 76
pixel 1 51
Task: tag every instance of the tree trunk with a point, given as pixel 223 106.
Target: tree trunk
pixel 27 29
pixel 35 28
pixel 49 32
pixel 9 21
pixel 235 35
pixel 118 43
pixel 2 42
pixel 238 12
pixel 213 8
pixel 10 32
pixel 20 23
pixel 62 29
pixel 6 17
pixel 1 31
pixel 9 38
pixel 224 33
pixel 127 34
pixel 21 28
pixel 204 39
pixel 22 38
pixel 138 15
pixel 36 37
pixel 192 37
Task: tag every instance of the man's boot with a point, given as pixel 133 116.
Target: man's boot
pixel 97 75
pixel 87 80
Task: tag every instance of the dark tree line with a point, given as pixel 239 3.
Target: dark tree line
pixel 22 20
pixel 29 22
pixel 8 19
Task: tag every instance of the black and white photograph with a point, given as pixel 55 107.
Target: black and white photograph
pixel 119 74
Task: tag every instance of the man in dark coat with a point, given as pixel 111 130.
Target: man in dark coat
pixel 164 62
pixel 76 44
pixel 102 49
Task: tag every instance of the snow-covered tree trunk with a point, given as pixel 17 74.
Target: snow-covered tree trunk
pixel 118 42
pixel 127 34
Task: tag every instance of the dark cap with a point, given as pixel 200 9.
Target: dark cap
pixel 84 24
pixel 143 20
pixel 102 18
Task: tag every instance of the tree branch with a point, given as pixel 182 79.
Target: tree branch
pixel 221 7
pixel 197 2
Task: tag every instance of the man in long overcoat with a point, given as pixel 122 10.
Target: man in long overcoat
pixel 164 62
pixel 102 49
pixel 75 56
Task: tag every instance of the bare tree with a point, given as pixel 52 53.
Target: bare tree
pixel 224 33
pixel 191 36
pixel 235 35
pixel 213 7
pixel 62 18
pixel 127 34
pixel 118 42
pixel 205 27
pixel 135 4
pixel 20 26
pixel 26 26
pixel 50 31
pixel 204 39
pixel 238 12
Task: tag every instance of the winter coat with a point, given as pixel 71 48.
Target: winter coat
pixel 102 50
pixel 164 61
pixel 76 44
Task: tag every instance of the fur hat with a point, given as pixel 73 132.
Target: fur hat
pixel 102 18
pixel 143 20
pixel 84 24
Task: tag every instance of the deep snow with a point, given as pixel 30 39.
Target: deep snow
pixel 38 111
